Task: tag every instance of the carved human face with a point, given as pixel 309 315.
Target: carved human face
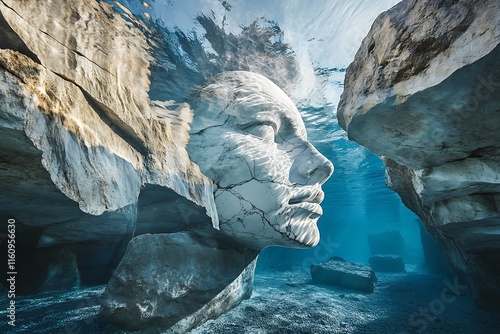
pixel 249 138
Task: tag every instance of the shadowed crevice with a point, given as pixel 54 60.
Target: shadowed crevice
pixel 9 39
pixel 109 117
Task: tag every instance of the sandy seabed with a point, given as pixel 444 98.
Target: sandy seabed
pixel 288 302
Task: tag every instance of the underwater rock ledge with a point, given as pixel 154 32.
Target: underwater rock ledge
pixel 423 92
pixel 89 162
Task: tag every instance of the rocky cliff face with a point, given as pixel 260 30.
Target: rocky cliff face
pixel 87 160
pixel 424 94
pixel 92 83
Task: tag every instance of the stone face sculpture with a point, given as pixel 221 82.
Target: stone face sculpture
pixel 248 137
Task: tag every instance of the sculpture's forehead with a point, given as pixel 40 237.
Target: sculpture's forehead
pixel 265 105
pixel 239 98
pixel 263 100
pixel 259 92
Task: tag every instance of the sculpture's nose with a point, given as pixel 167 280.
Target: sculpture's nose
pixel 316 169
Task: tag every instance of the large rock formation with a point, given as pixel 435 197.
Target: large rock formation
pixel 349 275
pixel 424 93
pixel 84 151
pixel 88 161
pixel 190 280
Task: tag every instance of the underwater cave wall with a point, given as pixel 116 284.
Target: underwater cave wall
pixel 84 150
pixel 424 94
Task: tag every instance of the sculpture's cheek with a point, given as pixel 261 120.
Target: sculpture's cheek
pixel 259 214
pixel 253 158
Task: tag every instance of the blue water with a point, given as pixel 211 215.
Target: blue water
pixel 193 47
pixel 357 202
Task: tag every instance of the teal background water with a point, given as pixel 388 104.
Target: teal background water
pixel 357 202
pixel 195 40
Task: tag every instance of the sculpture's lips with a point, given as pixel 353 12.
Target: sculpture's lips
pixel 308 200
pixel 312 210
pixel 309 196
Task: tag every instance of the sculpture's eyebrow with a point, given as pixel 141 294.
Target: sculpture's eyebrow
pixel 260 122
pixel 283 116
pixel 292 123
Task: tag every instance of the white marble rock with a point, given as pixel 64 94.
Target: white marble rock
pixel 189 281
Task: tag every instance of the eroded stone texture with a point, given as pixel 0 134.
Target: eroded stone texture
pixel 191 279
pixel 424 93
pixel 82 145
pixel 91 55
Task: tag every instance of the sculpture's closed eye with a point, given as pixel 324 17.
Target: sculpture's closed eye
pixel 264 130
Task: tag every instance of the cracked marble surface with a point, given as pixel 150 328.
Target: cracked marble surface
pixel 248 137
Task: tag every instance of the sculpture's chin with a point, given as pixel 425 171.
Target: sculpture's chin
pixel 307 234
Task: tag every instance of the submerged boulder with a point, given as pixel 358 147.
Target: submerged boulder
pixel 387 263
pixel 176 281
pixel 344 274
pixel 423 92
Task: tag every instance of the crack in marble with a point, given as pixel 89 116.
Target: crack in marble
pixel 110 118
pixel 54 39
pixel 211 127
pixel 267 191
